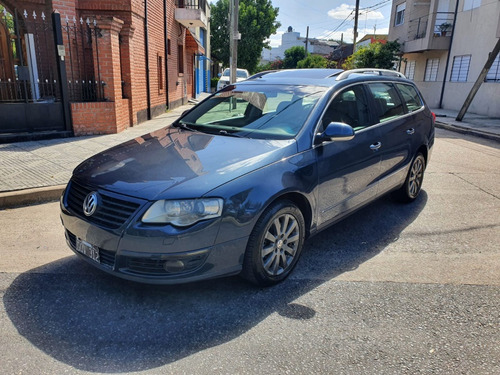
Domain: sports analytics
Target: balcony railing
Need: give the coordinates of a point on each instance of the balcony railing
(443, 25)
(191, 4)
(418, 28)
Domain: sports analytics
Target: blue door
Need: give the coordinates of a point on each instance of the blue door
(348, 170)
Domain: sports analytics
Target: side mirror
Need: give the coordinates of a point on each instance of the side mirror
(336, 131)
(219, 75)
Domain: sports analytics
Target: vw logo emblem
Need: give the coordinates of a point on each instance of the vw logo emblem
(90, 203)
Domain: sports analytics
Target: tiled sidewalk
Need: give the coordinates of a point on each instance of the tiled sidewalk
(26, 165)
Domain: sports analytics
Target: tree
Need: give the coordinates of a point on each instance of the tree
(257, 21)
(312, 61)
(292, 56)
(376, 55)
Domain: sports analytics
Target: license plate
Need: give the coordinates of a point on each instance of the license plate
(87, 249)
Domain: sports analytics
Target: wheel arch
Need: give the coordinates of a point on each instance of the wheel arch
(301, 202)
(424, 151)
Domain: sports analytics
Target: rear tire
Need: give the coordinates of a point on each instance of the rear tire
(275, 244)
(413, 183)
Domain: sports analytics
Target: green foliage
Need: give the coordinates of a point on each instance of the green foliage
(261, 67)
(312, 61)
(257, 21)
(377, 55)
(292, 56)
(213, 81)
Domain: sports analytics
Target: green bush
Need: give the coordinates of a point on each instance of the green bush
(213, 81)
(312, 61)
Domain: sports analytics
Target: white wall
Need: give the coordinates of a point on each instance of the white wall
(475, 35)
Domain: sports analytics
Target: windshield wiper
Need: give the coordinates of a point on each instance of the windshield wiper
(184, 125)
(225, 133)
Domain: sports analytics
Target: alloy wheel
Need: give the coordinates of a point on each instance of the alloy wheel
(416, 177)
(281, 241)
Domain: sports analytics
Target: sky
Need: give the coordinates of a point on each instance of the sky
(329, 19)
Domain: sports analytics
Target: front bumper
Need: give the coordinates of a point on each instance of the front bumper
(156, 254)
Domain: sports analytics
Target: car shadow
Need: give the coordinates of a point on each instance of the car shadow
(99, 323)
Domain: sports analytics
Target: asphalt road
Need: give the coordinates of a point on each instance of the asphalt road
(393, 289)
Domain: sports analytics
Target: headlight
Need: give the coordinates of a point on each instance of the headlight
(183, 213)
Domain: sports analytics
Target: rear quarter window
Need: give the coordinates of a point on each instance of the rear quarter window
(410, 96)
(388, 104)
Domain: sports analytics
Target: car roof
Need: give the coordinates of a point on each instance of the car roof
(322, 77)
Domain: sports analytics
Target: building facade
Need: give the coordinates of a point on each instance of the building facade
(291, 39)
(96, 67)
(445, 47)
(371, 39)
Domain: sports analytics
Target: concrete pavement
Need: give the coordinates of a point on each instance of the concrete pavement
(473, 124)
(37, 171)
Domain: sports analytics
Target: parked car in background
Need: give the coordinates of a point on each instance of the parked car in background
(239, 182)
(241, 75)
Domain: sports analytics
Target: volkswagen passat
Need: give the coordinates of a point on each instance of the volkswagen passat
(237, 183)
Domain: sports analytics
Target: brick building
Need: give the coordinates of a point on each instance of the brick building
(98, 66)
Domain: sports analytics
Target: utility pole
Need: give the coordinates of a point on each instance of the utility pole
(307, 38)
(234, 36)
(355, 27)
(479, 81)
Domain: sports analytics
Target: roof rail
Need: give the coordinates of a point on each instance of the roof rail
(380, 72)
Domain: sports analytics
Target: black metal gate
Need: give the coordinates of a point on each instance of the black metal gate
(31, 97)
(43, 66)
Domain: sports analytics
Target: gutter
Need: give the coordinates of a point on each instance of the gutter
(449, 55)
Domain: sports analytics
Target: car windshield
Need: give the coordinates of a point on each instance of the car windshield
(255, 111)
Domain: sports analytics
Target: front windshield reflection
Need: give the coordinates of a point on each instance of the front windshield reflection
(255, 111)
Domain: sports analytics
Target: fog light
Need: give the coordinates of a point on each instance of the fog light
(174, 266)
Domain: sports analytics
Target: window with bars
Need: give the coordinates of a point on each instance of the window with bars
(494, 72)
(460, 68)
(400, 14)
(410, 70)
(431, 70)
(180, 58)
(160, 73)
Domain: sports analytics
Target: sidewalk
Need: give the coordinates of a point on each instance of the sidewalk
(37, 171)
(472, 124)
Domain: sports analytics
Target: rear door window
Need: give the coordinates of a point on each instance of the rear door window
(410, 96)
(388, 104)
(350, 107)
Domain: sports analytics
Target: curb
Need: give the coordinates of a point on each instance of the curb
(468, 131)
(17, 198)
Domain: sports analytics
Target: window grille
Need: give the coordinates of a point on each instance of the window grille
(431, 70)
(460, 68)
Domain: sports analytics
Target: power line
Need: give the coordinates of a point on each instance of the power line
(368, 9)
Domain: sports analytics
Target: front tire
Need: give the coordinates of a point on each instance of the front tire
(274, 245)
(413, 183)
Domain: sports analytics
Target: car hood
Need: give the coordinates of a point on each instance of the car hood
(176, 163)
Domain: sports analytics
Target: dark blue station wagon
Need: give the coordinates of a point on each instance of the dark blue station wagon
(237, 183)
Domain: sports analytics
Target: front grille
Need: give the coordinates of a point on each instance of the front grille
(146, 266)
(155, 266)
(111, 212)
(106, 257)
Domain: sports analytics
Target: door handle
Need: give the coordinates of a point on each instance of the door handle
(410, 131)
(376, 146)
